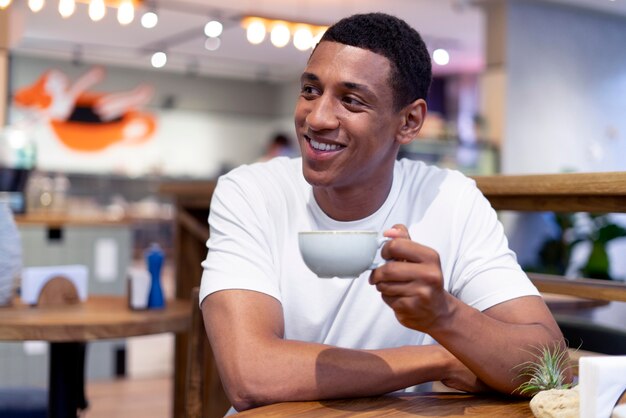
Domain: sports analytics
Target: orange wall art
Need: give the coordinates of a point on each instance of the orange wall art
(85, 120)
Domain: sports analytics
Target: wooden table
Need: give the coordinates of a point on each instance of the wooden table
(69, 327)
(406, 405)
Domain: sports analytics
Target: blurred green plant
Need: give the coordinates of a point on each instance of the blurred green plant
(597, 229)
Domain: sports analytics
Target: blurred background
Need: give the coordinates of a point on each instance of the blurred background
(102, 102)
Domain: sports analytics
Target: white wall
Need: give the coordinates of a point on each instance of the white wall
(566, 90)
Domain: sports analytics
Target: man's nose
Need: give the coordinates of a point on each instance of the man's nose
(322, 115)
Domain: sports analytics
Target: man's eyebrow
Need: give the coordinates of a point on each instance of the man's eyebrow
(350, 85)
(360, 87)
(309, 77)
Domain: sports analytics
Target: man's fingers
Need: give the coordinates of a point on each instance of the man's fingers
(398, 271)
(397, 231)
(410, 251)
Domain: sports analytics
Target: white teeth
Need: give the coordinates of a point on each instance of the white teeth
(323, 147)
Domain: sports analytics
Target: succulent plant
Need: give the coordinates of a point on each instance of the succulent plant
(546, 371)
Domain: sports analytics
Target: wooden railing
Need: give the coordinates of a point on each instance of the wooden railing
(568, 192)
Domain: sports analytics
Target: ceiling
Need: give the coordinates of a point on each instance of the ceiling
(456, 25)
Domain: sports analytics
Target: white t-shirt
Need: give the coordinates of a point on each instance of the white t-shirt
(257, 211)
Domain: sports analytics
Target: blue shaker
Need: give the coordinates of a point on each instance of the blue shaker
(154, 259)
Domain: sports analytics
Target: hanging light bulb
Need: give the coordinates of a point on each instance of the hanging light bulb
(149, 19)
(97, 10)
(303, 38)
(213, 29)
(67, 8)
(441, 56)
(35, 5)
(4, 4)
(280, 34)
(125, 12)
(318, 36)
(159, 59)
(255, 33)
(212, 44)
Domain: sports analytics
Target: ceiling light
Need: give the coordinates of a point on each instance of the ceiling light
(4, 4)
(159, 59)
(280, 34)
(303, 38)
(318, 36)
(149, 20)
(441, 56)
(255, 32)
(66, 8)
(35, 5)
(212, 44)
(213, 29)
(281, 31)
(97, 10)
(125, 12)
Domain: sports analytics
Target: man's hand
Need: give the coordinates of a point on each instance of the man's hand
(489, 343)
(461, 378)
(411, 281)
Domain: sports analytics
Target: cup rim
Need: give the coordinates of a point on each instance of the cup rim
(336, 232)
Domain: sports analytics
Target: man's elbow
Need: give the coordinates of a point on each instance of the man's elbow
(243, 401)
(247, 392)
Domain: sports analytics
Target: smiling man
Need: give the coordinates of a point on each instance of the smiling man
(450, 304)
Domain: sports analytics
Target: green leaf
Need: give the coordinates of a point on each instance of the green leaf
(610, 231)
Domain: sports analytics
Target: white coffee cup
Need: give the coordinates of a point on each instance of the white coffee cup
(343, 254)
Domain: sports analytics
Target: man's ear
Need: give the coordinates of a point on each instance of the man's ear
(413, 116)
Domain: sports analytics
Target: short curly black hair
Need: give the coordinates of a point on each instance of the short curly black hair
(393, 38)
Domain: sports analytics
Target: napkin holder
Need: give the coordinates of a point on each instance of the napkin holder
(54, 285)
(602, 381)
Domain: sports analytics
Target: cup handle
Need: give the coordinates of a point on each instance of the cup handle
(381, 241)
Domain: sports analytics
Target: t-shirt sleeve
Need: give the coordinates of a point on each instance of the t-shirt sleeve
(239, 254)
(486, 271)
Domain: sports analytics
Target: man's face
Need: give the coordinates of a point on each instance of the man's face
(345, 120)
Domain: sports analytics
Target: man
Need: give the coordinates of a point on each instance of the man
(278, 332)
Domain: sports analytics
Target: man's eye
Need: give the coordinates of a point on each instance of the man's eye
(351, 101)
(309, 90)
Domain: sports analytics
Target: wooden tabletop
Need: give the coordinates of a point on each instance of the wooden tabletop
(64, 219)
(406, 405)
(99, 317)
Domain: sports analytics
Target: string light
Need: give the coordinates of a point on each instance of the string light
(213, 29)
(125, 12)
(441, 56)
(255, 31)
(67, 8)
(159, 59)
(303, 38)
(212, 44)
(4, 4)
(149, 19)
(35, 5)
(281, 31)
(97, 10)
(279, 36)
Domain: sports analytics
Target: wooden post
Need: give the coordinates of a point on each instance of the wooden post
(494, 78)
(191, 232)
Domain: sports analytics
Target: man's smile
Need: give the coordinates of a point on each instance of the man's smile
(322, 146)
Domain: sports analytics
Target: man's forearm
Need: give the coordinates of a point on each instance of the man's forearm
(284, 370)
(494, 349)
